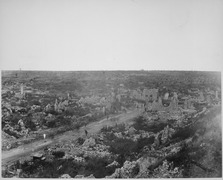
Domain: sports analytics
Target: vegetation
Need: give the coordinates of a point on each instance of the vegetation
(174, 141)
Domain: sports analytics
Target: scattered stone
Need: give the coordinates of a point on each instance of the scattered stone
(129, 170)
(91, 176)
(90, 142)
(65, 176)
(131, 130)
(113, 164)
(79, 176)
(145, 162)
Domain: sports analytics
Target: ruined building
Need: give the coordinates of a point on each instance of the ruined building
(56, 105)
(158, 106)
(188, 104)
(150, 94)
(216, 95)
(201, 96)
(208, 99)
(166, 96)
(22, 89)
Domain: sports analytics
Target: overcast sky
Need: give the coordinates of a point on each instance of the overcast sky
(111, 34)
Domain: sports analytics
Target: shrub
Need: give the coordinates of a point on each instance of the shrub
(105, 129)
(97, 167)
(58, 154)
(120, 128)
(14, 118)
(30, 124)
(142, 142)
(46, 169)
(11, 133)
(23, 104)
(166, 170)
(35, 102)
(69, 111)
(51, 124)
(123, 146)
(80, 140)
(141, 124)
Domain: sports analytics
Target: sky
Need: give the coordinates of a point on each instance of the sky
(111, 35)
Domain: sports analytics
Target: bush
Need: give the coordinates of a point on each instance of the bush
(120, 128)
(40, 169)
(23, 104)
(58, 154)
(97, 167)
(14, 118)
(123, 146)
(69, 111)
(105, 129)
(166, 170)
(51, 124)
(11, 133)
(142, 142)
(30, 124)
(35, 102)
(80, 140)
(141, 124)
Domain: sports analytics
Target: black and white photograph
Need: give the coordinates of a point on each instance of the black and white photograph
(111, 88)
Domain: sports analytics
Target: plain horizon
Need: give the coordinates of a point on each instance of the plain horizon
(74, 35)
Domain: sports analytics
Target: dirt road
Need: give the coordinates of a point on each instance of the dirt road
(26, 150)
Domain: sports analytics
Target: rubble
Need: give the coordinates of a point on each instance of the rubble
(79, 176)
(90, 142)
(65, 176)
(171, 133)
(90, 176)
(129, 170)
(145, 162)
(113, 164)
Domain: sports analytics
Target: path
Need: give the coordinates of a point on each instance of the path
(94, 127)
